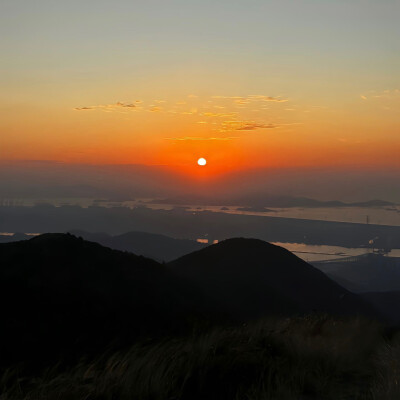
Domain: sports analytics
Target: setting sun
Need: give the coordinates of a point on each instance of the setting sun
(202, 161)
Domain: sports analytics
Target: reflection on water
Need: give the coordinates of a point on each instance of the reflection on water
(373, 215)
(361, 215)
(312, 253)
(320, 252)
(25, 233)
(206, 241)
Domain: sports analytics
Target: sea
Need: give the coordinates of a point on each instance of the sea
(388, 215)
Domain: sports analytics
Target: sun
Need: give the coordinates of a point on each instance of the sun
(202, 161)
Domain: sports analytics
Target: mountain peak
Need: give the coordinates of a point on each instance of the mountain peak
(252, 278)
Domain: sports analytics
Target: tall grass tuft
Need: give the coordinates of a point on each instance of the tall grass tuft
(315, 357)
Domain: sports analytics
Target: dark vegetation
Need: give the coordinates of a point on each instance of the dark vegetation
(313, 357)
(242, 319)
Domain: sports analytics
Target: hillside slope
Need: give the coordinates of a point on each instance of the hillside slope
(252, 278)
(59, 293)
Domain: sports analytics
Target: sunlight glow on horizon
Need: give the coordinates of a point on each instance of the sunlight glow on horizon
(151, 86)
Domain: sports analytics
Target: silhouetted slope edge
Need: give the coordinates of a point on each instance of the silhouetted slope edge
(253, 278)
(156, 246)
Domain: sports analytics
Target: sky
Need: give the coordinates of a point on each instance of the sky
(245, 84)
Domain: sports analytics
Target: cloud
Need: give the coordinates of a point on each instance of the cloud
(194, 138)
(242, 101)
(261, 97)
(226, 97)
(192, 111)
(388, 94)
(219, 115)
(252, 126)
(225, 112)
(126, 105)
(155, 109)
(252, 98)
(246, 126)
(109, 107)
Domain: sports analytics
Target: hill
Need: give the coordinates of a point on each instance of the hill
(60, 294)
(252, 278)
(64, 297)
(158, 247)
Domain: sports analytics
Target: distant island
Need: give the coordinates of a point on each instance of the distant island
(255, 209)
(261, 201)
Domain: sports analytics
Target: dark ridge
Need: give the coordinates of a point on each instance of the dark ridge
(252, 278)
(64, 295)
(156, 246)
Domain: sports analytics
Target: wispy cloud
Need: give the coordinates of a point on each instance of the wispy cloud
(184, 138)
(383, 94)
(217, 113)
(252, 98)
(125, 105)
(250, 126)
(240, 102)
(114, 106)
(246, 125)
(155, 109)
(261, 97)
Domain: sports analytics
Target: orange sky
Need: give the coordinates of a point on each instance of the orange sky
(231, 132)
(306, 85)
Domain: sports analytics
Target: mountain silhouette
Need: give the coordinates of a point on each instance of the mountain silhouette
(252, 278)
(62, 294)
(62, 297)
(158, 247)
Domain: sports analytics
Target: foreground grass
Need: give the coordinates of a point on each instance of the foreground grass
(298, 358)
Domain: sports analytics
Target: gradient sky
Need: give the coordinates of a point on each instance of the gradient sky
(246, 84)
